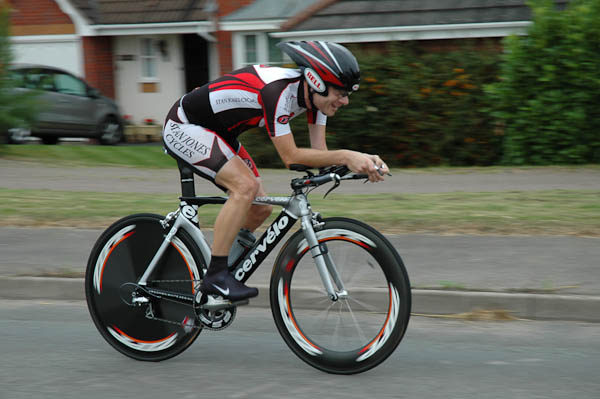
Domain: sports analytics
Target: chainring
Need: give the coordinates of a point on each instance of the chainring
(215, 319)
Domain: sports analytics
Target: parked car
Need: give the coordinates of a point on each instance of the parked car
(69, 107)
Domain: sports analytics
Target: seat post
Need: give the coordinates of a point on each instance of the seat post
(188, 189)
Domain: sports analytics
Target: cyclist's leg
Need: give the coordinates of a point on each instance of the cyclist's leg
(214, 159)
(242, 186)
(258, 213)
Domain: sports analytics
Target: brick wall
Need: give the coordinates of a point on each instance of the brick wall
(225, 51)
(228, 6)
(98, 64)
(38, 17)
(224, 38)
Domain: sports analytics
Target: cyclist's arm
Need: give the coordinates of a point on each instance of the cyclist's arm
(317, 136)
(356, 161)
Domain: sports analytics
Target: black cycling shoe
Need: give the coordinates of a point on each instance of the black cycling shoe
(225, 285)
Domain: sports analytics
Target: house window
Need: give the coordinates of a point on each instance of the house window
(250, 53)
(149, 59)
(275, 54)
(257, 48)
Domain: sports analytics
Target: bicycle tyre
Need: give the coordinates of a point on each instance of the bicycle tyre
(376, 310)
(120, 256)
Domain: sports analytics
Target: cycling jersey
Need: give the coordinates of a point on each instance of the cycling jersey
(254, 96)
(203, 126)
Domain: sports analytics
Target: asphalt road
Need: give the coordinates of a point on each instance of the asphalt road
(52, 350)
(555, 264)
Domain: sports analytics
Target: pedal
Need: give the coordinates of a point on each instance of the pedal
(216, 303)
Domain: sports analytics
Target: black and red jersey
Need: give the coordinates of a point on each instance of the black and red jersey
(253, 96)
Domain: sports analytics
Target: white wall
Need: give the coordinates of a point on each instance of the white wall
(128, 78)
(61, 51)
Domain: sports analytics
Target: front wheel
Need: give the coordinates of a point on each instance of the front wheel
(366, 323)
(152, 331)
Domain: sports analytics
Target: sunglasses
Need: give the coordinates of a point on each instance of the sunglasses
(341, 93)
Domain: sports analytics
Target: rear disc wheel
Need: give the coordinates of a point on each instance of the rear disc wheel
(116, 263)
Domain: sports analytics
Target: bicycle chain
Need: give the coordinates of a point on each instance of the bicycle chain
(150, 313)
(150, 316)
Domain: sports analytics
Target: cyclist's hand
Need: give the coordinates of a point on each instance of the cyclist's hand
(370, 165)
(380, 166)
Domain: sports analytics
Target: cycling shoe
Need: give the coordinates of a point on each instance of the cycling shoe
(225, 285)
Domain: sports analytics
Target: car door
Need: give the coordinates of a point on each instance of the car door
(74, 107)
(41, 81)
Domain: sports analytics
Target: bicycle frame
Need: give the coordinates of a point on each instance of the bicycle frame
(294, 208)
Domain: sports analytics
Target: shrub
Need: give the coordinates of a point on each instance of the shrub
(413, 109)
(16, 109)
(548, 96)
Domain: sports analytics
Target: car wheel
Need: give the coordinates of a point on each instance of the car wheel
(111, 131)
(18, 135)
(49, 139)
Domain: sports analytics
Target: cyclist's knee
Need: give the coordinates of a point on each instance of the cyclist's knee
(245, 189)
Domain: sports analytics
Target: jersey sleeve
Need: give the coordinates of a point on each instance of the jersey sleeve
(316, 118)
(278, 108)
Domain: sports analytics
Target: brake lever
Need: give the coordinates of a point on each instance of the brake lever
(335, 185)
(378, 169)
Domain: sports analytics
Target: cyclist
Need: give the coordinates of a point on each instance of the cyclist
(202, 129)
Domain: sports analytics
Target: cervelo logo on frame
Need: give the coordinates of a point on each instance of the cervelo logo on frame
(314, 80)
(273, 232)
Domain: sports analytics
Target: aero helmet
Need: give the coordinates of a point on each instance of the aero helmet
(324, 63)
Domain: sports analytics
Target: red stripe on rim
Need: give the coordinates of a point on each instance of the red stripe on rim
(286, 293)
(362, 244)
(139, 340)
(384, 325)
(109, 253)
(290, 265)
(188, 267)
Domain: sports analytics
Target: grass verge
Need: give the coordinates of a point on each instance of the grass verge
(152, 156)
(139, 156)
(553, 212)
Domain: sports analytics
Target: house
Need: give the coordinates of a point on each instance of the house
(252, 29)
(144, 53)
(147, 53)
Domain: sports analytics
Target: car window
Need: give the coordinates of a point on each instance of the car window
(68, 84)
(38, 79)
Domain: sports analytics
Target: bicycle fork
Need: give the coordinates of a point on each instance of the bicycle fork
(323, 261)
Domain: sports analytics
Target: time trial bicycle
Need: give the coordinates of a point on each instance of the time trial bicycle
(339, 292)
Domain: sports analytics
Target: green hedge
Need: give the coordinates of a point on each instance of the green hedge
(17, 109)
(413, 109)
(537, 102)
(549, 94)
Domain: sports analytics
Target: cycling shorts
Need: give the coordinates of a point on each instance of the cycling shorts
(203, 149)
